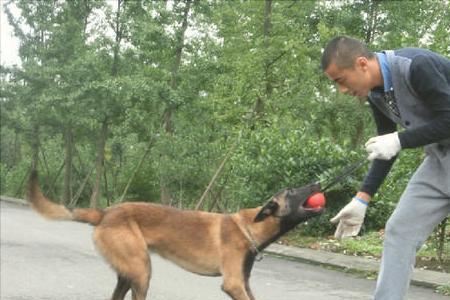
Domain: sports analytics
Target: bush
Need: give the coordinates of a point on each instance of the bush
(13, 179)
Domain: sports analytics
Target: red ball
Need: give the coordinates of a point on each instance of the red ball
(316, 200)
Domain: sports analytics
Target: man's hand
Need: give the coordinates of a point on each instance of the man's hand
(350, 218)
(383, 147)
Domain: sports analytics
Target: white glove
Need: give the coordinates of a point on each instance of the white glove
(383, 147)
(350, 218)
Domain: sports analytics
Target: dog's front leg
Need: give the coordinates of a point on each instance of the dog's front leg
(235, 288)
(249, 291)
(248, 265)
(235, 283)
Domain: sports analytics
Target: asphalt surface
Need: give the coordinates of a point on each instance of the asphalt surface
(48, 260)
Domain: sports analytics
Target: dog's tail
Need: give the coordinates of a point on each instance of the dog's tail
(54, 211)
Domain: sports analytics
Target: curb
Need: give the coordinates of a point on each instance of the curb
(424, 278)
(14, 200)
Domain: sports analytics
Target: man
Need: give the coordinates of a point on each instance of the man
(408, 87)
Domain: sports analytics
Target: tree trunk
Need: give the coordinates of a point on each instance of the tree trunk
(99, 163)
(34, 146)
(68, 149)
(51, 186)
(179, 46)
(268, 64)
(108, 196)
(214, 178)
(267, 37)
(118, 33)
(267, 29)
(141, 161)
(167, 117)
(372, 21)
(74, 201)
(17, 149)
(44, 164)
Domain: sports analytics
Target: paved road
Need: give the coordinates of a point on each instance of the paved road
(43, 260)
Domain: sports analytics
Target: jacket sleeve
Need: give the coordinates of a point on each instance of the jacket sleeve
(379, 168)
(430, 79)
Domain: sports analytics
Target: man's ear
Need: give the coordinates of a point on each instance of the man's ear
(268, 209)
(362, 62)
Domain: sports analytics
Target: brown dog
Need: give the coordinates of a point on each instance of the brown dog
(204, 243)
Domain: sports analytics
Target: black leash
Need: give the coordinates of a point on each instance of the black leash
(348, 171)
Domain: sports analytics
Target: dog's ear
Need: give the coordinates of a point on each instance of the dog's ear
(268, 209)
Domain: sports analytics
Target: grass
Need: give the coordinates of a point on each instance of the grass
(444, 289)
(370, 244)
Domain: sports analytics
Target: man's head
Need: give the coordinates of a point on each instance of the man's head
(350, 64)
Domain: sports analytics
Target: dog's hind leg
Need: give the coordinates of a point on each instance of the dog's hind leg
(122, 288)
(125, 249)
(136, 277)
(140, 280)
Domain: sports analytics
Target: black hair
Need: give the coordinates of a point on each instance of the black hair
(343, 51)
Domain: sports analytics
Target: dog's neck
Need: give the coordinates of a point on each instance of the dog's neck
(242, 224)
(256, 232)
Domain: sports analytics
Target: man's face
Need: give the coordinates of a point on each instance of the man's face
(354, 81)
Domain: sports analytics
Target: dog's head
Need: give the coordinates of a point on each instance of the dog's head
(289, 206)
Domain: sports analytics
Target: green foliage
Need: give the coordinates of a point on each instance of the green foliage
(370, 244)
(444, 289)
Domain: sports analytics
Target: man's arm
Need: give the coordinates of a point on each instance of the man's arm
(351, 217)
(380, 168)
